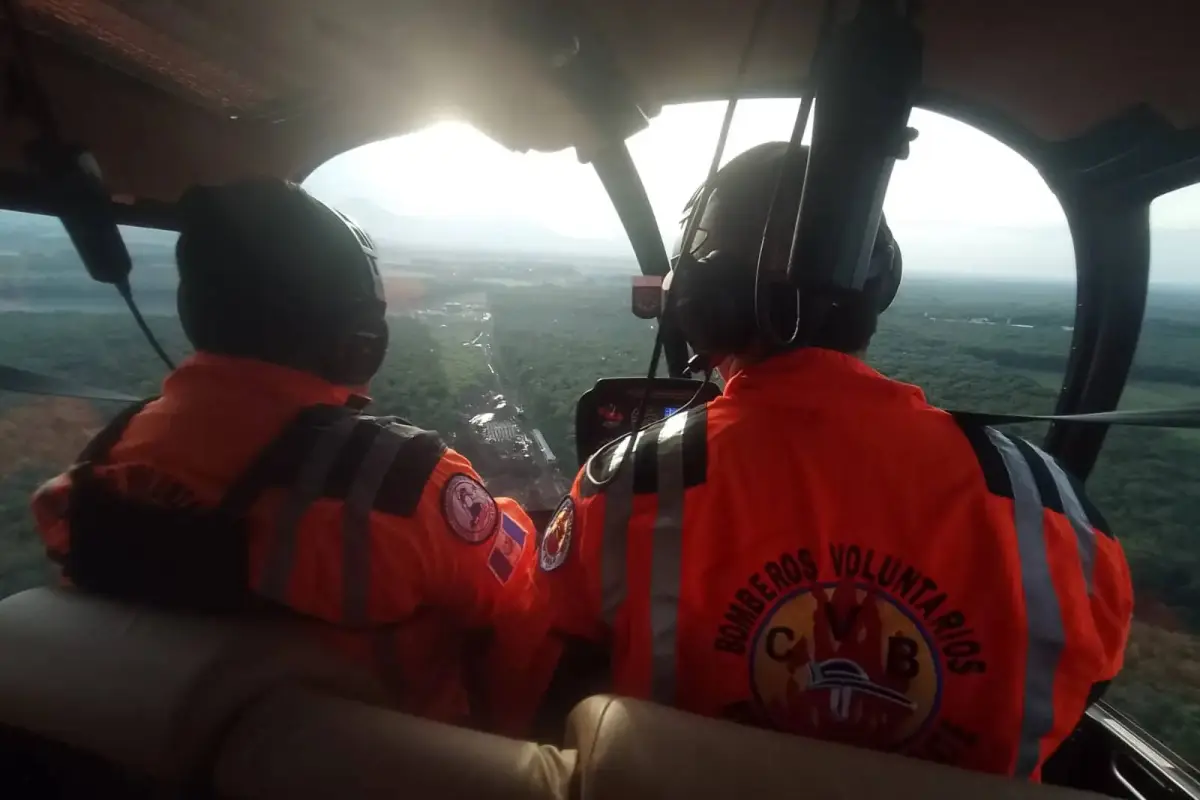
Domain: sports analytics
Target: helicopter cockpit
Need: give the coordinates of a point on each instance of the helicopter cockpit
(115, 107)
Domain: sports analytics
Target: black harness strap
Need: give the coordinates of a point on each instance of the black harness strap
(193, 559)
(103, 442)
(262, 472)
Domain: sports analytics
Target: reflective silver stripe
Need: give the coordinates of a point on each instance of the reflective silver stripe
(281, 558)
(666, 557)
(1045, 634)
(618, 508)
(1073, 509)
(356, 522)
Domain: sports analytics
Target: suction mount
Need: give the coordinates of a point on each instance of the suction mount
(72, 177)
(866, 76)
(71, 174)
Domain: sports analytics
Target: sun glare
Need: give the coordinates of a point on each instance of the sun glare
(954, 175)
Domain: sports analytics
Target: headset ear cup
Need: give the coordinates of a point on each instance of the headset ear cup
(359, 355)
(889, 278)
(714, 305)
(375, 347)
(887, 266)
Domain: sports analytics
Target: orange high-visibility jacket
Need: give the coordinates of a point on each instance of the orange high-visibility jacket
(820, 551)
(367, 523)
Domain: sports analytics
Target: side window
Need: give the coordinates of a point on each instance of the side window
(55, 320)
(983, 320)
(1145, 482)
(507, 278)
(984, 316)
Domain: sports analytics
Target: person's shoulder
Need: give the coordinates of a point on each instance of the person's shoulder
(1016, 468)
(406, 455)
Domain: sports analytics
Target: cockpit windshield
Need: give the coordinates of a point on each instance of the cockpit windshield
(508, 282)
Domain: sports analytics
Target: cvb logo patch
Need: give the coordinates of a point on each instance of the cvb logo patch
(507, 549)
(845, 662)
(556, 541)
(469, 509)
(854, 647)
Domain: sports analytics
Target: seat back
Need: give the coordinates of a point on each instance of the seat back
(147, 691)
(255, 709)
(630, 750)
(299, 744)
(143, 700)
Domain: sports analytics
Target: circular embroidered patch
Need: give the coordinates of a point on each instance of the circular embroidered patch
(469, 509)
(556, 541)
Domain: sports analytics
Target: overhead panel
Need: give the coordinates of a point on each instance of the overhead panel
(155, 55)
(224, 86)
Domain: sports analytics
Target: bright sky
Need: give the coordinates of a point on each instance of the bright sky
(956, 177)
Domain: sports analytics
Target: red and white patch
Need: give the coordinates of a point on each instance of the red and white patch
(469, 509)
(556, 541)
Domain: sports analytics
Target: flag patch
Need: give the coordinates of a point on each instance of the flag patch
(507, 549)
(514, 530)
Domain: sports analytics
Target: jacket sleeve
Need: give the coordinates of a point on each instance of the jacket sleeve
(573, 660)
(1089, 615)
(463, 552)
(49, 507)
(1095, 586)
(569, 558)
(472, 556)
(1112, 603)
(1112, 592)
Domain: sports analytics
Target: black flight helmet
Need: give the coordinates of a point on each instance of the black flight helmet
(714, 283)
(267, 271)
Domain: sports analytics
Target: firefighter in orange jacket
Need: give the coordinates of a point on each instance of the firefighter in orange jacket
(820, 551)
(254, 478)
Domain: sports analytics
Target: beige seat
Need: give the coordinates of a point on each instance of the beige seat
(301, 744)
(252, 709)
(630, 750)
(148, 691)
(260, 712)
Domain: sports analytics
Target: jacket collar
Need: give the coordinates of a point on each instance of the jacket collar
(214, 379)
(815, 376)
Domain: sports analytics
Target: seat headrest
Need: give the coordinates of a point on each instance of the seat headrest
(631, 749)
(299, 744)
(148, 690)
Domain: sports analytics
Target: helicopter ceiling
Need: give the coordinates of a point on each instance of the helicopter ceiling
(166, 94)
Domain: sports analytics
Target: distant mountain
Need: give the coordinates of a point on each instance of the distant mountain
(13, 222)
(1017, 252)
(993, 250)
(472, 233)
(1032, 252)
(42, 225)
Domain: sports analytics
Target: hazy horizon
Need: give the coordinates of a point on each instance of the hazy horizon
(962, 202)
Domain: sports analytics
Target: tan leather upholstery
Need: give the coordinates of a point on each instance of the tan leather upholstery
(629, 750)
(299, 744)
(256, 704)
(146, 690)
(263, 710)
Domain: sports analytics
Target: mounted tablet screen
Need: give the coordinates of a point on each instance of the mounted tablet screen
(609, 408)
